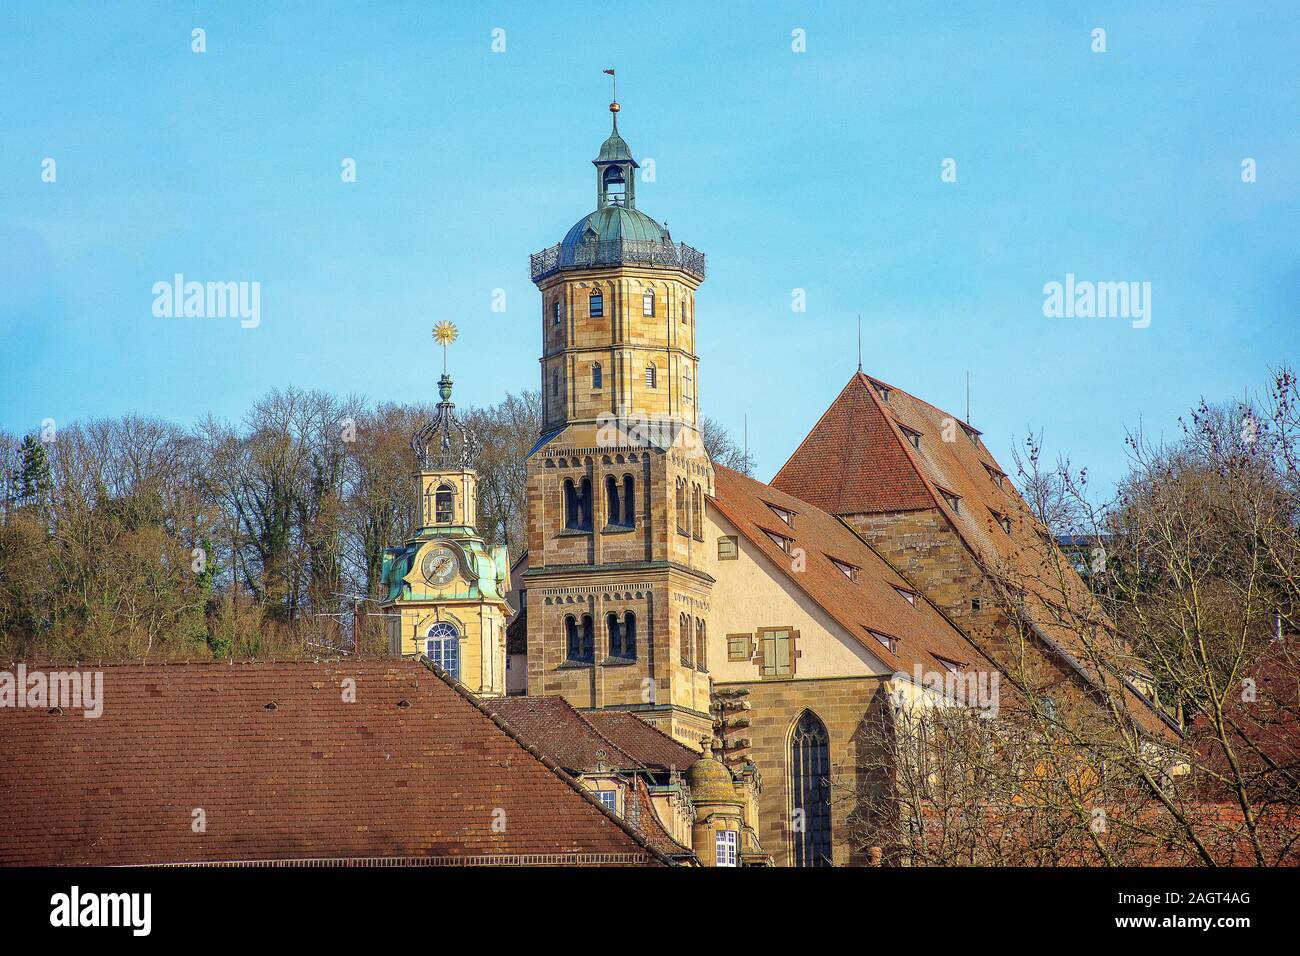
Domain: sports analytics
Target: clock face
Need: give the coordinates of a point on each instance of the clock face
(439, 565)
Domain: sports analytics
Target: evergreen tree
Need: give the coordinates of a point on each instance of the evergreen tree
(34, 484)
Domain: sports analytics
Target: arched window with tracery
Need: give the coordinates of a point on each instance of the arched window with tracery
(810, 791)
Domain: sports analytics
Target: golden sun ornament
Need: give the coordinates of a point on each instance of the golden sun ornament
(444, 333)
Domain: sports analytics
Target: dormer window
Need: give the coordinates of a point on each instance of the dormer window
(947, 664)
(784, 514)
(913, 437)
(953, 501)
(596, 307)
(1004, 521)
(648, 303)
(997, 477)
(906, 595)
(780, 541)
(848, 570)
(890, 643)
(971, 433)
(881, 390)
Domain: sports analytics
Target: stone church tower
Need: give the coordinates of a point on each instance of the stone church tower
(617, 593)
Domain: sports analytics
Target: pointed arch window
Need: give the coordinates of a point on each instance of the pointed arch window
(442, 647)
(701, 646)
(621, 635)
(684, 622)
(697, 512)
(810, 788)
(580, 639)
(444, 504)
(596, 305)
(681, 507)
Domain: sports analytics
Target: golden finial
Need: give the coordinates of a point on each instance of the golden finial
(444, 333)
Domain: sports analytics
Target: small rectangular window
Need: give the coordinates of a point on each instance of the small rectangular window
(597, 378)
(597, 305)
(725, 854)
(648, 304)
(609, 798)
(727, 548)
(555, 312)
(651, 377)
(740, 647)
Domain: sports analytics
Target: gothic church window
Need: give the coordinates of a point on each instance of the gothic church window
(810, 786)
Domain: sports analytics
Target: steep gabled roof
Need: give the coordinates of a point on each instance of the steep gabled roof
(865, 605)
(650, 746)
(286, 767)
(888, 439)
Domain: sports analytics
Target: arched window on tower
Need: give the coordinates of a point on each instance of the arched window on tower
(444, 505)
(621, 635)
(681, 507)
(701, 646)
(596, 305)
(442, 647)
(620, 508)
(651, 376)
(577, 504)
(580, 639)
(810, 786)
(697, 512)
(613, 514)
(648, 302)
(684, 622)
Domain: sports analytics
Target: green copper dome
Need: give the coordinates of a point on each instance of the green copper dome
(614, 224)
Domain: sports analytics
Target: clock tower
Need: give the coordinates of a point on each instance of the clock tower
(444, 590)
(617, 592)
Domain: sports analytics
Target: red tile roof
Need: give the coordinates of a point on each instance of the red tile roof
(858, 457)
(869, 602)
(284, 769)
(651, 747)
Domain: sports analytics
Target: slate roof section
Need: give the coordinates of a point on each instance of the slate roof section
(285, 770)
(870, 602)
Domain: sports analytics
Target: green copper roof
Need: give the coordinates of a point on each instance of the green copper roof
(615, 150)
(615, 224)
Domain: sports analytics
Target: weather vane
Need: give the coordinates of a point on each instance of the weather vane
(444, 333)
(613, 106)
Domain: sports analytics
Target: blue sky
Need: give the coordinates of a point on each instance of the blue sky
(817, 170)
